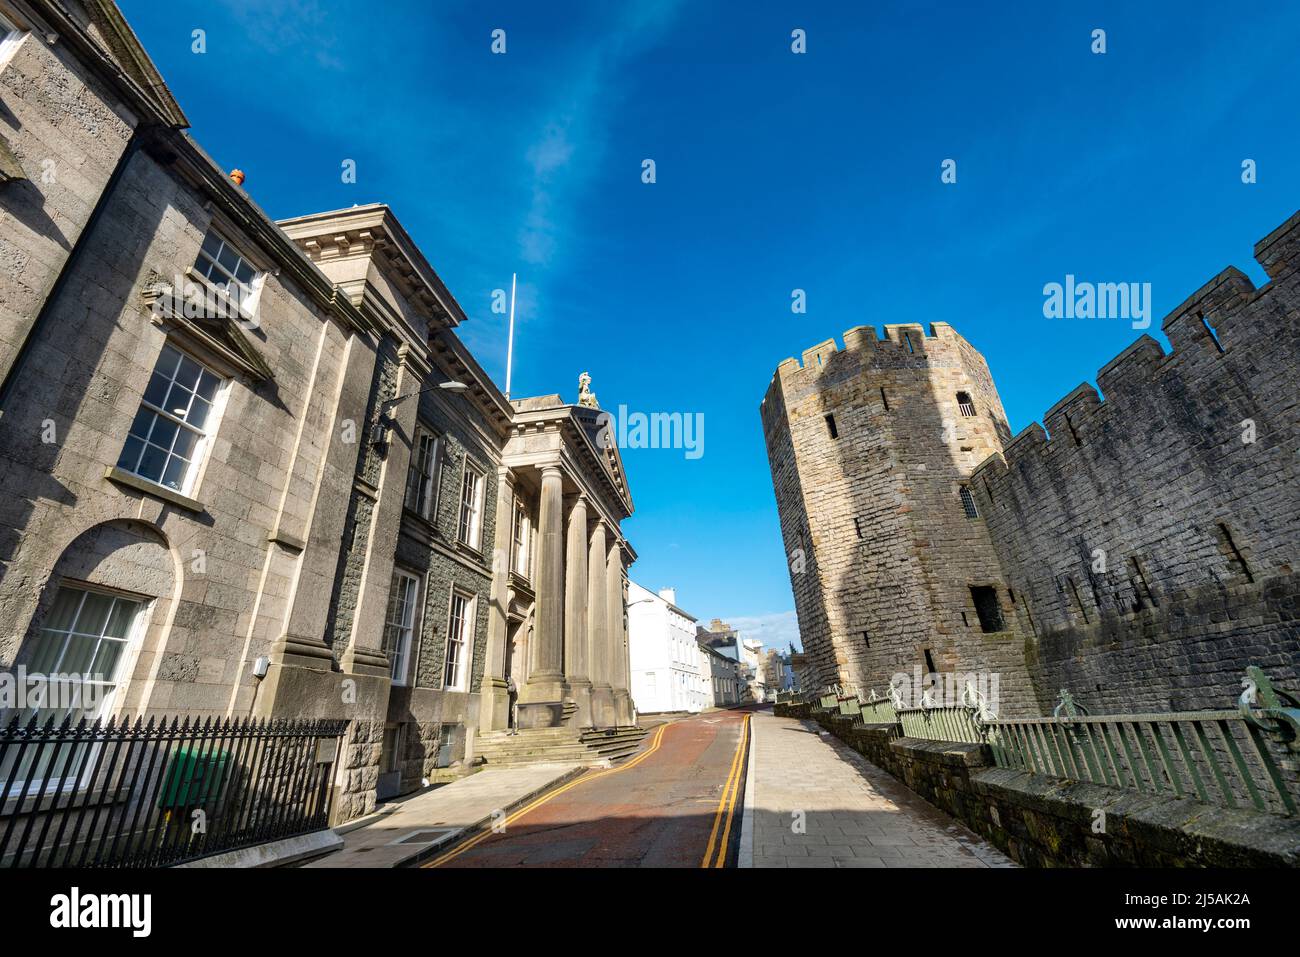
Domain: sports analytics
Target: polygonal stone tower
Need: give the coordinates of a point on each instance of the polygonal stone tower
(871, 449)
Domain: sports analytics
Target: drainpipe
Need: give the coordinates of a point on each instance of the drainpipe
(47, 308)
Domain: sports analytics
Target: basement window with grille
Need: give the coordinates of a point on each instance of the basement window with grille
(987, 608)
(968, 503)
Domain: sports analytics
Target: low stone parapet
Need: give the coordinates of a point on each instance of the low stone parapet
(1042, 821)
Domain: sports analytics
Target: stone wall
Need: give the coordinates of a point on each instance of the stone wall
(1045, 822)
(1153, 537)
(1142, 556)
(84, 389)
(68, 132)
(869, 451)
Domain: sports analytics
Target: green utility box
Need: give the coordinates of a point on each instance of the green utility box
(194, 777)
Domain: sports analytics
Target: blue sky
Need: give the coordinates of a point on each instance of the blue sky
(775, 171)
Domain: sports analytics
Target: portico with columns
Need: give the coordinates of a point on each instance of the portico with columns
(557, 626)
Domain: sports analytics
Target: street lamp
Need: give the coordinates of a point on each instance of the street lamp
(379, 433)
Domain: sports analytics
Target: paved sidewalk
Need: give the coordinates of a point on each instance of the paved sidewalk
(855, 814)
(428, 822)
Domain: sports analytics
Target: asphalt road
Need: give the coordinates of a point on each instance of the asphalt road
(676, 803)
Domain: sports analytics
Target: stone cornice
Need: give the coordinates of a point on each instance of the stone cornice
(136, 79)
(374, 231)
(451, 352)
(565, 419)
(176, 150)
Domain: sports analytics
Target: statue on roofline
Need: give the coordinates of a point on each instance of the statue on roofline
(586, 397)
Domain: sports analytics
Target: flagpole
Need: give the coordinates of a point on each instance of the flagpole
(510, 345)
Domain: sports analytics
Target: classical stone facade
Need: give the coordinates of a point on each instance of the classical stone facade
(1141, 558)
(261, 451)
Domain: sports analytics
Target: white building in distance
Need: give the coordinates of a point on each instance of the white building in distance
(667, 672)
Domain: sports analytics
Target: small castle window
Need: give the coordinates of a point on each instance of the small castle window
(929, 663)
(1230, 547)
(857, 526)
(884, 398)
(968, 503)
(866, 639)
(907, 338)
(987, 608)
(1078, 600)
(1214, 333)
(1142, 577)
(965, 404)
(830, 427)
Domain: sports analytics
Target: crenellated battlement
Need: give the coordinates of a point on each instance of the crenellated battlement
(903, 340)
(1223, 316)
(1133, 542)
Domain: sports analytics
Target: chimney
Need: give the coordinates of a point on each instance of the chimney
(669, 595)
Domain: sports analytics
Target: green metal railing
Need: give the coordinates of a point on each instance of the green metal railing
(1227, 758)
(957, 724)
(1247, 758)
(880, 711)
(1241, 758)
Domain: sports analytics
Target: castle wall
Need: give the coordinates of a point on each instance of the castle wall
(1153, 538)
(889, 553)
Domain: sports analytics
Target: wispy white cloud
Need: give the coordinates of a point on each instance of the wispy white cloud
(776, 630)
(289, 25)
(566, 149)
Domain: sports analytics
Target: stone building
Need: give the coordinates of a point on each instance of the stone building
(248, 468)
(721, 677)
(1141, 557)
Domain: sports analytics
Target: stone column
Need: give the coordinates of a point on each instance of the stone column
(619, 671)
(494, 701)
(577, 677)
(546, 648)
(602, 698)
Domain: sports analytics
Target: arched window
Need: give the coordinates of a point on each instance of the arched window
(965, 404)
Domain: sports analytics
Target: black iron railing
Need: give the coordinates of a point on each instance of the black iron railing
(159, 793)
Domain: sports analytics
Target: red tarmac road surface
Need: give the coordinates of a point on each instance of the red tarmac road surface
(660, 808)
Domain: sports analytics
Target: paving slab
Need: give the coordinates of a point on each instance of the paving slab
(818, 803)
(429, 822)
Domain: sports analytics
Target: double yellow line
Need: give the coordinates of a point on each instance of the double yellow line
(715, 855)
(549, 796)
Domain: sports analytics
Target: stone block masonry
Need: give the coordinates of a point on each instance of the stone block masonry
(252, 571)
(1141, 556)
(1045, 822)
(1153, 537)
(871, 449)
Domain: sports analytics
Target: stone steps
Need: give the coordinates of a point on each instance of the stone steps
(558, 745)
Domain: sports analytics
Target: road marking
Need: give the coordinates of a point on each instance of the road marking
(590, 776)
(727, 803)
(745, 857)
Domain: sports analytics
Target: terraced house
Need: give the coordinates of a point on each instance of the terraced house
(247, 468)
